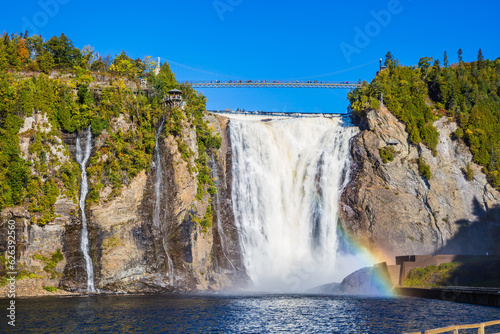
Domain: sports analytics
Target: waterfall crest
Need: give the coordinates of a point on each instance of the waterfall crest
(82, 158)
(287, 178)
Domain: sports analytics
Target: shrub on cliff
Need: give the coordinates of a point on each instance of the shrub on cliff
(424, 169)
(387, 153)
(469, 172)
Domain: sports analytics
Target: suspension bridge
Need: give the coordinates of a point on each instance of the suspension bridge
(272, 84)
(189, 75)
(197, 78)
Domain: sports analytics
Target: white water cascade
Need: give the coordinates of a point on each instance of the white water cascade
(157, 204)
(287, 177)
(82, 158)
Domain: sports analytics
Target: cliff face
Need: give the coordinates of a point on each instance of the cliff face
(129, 252)
(392, 210)
(134, 253)
(388, 207)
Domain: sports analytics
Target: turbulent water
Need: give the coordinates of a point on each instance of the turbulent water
(287, 177)
(157, 204)
(82, 158)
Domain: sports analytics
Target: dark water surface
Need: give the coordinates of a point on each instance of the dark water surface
(204, 313)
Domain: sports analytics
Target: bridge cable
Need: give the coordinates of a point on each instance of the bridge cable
(338, 72)
(199, 70)
(301, 78)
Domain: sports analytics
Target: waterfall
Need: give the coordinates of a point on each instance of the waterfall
(82, 158)
(157, 205)
(287, 178)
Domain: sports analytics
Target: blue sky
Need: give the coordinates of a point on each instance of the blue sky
(268, 40)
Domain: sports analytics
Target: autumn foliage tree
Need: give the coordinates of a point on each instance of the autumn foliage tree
(22, 52)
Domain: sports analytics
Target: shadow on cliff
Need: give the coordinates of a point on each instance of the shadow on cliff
(479, 241)
(478, 237)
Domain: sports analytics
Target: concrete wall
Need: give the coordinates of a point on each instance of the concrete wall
(394, 272)
(408, 262)
(477, 296)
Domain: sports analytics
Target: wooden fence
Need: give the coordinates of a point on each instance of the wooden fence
(455, 329)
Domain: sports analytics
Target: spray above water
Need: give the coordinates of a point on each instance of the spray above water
(287, 178)
(82, 159)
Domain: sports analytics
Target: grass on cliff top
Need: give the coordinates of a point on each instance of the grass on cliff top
(473, 273)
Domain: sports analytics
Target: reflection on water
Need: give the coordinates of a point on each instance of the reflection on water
(203, 313)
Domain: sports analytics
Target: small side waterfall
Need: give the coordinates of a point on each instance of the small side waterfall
(287, 178)
(157, 204)
(82, 159)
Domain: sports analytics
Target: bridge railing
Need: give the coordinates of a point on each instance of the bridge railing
(455, 329)
(280, 113)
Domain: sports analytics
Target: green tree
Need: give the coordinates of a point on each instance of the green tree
(88, 57)
(124, 65)
(164, 81)
(480, 57)
(35, 46)
(101, 64)
(10, 43)
(46, 62)
(64, 53)
(4, 62)
(390, 61)
(424, 63)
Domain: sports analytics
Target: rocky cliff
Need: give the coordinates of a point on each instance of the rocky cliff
(192, 244)
(393, 210)
(130, 253)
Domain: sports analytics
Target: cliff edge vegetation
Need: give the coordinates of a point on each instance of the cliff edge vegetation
(50, 89)
(468, 93)
(424, 172)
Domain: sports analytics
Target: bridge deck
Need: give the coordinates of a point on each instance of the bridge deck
(272, 84)
(282, 114)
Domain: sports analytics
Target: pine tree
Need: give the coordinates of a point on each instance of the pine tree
(11, 49)
(389, 60)
(46, 62)
(65, 55)
(445, 60)
(4, 63)
(480, 57)
(460, 59)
